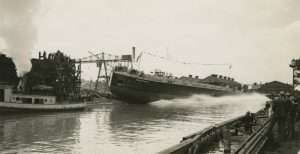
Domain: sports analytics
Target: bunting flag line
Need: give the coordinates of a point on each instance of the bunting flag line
(187, 63)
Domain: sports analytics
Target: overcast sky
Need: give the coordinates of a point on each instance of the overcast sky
(258, 37)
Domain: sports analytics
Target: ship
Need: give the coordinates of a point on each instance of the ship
(52, 84)
(135, 86)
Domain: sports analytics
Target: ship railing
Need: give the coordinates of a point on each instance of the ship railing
(200, 85)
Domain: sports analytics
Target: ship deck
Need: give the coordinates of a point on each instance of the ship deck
(180, 82)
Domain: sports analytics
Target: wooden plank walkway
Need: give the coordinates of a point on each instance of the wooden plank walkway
(278, 146)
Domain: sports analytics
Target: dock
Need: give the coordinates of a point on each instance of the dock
(230, 133)
(278, 146)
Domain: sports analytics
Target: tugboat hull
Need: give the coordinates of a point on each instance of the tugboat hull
(4, 106)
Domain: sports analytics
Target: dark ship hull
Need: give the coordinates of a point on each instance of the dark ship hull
(141, 89)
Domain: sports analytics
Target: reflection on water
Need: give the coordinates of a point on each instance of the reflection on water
(38, 133)
(115, 127)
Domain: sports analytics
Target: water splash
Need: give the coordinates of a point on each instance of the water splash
(233, 105)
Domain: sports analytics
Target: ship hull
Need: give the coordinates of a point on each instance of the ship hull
(10, 107)
(134, 89)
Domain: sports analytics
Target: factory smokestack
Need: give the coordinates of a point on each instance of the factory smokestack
(18, 31)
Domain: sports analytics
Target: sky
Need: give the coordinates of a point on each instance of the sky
(259, 38)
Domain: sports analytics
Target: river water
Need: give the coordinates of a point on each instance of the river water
(112, 126)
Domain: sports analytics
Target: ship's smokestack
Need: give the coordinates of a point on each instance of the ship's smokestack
(133, 53)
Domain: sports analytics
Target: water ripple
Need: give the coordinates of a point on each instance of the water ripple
(115, 127)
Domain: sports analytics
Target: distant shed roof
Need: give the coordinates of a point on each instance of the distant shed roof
(275, 87)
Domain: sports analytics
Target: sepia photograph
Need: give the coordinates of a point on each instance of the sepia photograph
(149, 77)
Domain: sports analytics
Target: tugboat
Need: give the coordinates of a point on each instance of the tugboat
(53, 84)
(24, 102)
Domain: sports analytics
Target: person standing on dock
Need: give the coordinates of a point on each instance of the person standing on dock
(267, 108)
(226, 135)
(286, 114)
(297, 100)
(279, 109)
(249, 121)
(292, 113)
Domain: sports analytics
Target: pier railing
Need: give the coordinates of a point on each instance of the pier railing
(256, 141)
(196, 141)
(199, 141)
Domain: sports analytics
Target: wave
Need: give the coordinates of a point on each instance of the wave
(231, 105)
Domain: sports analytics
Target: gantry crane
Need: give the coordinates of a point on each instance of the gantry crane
(108, 61)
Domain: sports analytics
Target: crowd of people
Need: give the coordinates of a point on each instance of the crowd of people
(284, 108)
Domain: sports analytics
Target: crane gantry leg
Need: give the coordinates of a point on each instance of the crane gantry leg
(105, 69)
(99, 65)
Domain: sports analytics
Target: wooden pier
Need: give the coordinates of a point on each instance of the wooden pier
(231, 134)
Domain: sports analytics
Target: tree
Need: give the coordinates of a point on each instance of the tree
(8, 73)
